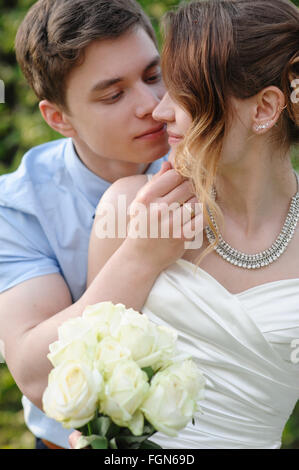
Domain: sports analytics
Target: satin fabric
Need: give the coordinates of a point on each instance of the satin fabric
(243, 345)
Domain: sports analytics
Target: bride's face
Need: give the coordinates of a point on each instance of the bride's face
(177, 119)
(238, 131)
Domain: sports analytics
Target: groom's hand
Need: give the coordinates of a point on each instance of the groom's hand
(73, 439)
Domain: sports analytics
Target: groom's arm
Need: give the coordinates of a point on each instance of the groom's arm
(32, 311)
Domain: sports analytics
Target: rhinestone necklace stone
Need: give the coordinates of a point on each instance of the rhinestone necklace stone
(264, 258)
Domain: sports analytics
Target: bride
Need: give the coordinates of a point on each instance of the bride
(232, 115)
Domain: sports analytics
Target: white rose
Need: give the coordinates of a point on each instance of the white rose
(166, 345)
(150, 345)
(78, 337)
(77, 350)
(72, 329)
(172, 399)
(72, 394)
(123, 393)
(104, 317)
(77, 340)
(108, 353)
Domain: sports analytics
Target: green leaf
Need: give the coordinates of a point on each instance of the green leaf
(103, 424)
(99, 443)
(113, 444)
(149, 371)
(83, 430)
(148, 428)
(86, 441)
(131, 439)
(149, 445)
(125, 441)
(113, 430)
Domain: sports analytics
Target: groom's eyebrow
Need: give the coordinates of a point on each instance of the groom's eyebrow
(104, 84)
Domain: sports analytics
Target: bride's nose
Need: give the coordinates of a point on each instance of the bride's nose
(164, 111)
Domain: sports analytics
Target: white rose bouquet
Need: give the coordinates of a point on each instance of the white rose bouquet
(118, 378)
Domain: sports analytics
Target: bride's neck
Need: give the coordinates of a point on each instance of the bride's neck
(255, 189)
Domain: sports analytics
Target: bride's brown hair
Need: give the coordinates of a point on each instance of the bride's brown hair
(215, 49)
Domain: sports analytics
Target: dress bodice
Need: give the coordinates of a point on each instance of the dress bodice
(243, 344)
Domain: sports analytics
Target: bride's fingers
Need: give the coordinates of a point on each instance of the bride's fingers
(159, 186)
(191, 209)
(164, 167)
(179, 217)
(180, 194)
(193, 227)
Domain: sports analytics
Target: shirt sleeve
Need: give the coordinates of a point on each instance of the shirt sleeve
(25, 252)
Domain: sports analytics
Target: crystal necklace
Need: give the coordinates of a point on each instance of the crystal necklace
(263, 258)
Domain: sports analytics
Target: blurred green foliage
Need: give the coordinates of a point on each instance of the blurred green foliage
(21, 127)
(13, 432)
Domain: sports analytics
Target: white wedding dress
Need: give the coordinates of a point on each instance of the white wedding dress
(243, 345)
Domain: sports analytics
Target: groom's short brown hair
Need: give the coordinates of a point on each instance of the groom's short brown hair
(54, 34)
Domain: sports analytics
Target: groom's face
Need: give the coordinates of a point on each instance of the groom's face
(111, 97)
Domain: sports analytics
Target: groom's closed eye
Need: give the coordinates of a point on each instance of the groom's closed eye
(151, 74)
(155, 76)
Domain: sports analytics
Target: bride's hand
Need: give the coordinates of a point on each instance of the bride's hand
(166, 231)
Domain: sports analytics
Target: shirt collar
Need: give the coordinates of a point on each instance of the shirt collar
(91, 185)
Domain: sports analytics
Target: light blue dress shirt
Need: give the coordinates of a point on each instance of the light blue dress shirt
(46, 215)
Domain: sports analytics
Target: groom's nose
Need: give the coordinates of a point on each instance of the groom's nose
(147, 100)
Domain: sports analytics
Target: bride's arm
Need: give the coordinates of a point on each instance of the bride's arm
(123, 270)
(113, 262)
(101, 249)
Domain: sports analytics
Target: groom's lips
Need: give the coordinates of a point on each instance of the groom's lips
(153, 133)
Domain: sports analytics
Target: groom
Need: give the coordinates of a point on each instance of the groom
(95, 68)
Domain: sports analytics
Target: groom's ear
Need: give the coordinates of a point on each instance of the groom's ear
(56, 118)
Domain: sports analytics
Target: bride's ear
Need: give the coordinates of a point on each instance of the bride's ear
(269, 105)
(56, 118)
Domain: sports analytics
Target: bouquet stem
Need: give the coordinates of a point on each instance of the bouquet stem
(89, 429)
